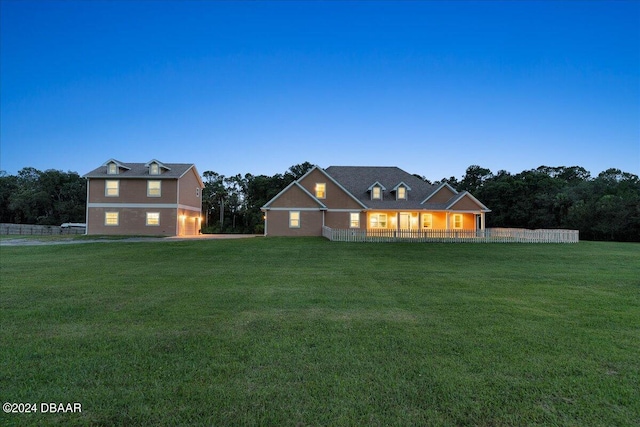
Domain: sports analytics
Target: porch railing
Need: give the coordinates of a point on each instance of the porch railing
(488, 235)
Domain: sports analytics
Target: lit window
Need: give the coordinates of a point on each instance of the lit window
(457, 221)
(111, 218)
(294, 219)
(154, 169)
(354, 220)
(402, 193)
(378, 220)
(376, 193)
(154, 188)
(427, 221)
(321, 191)
(153, 218)
(111, 188)
(112, 169)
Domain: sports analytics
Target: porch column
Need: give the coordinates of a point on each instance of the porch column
(447, 221)
(482, 220)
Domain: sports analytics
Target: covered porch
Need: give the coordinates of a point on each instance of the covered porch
(409, 221)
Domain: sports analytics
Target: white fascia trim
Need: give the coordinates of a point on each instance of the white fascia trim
(294, 209)
(402, 184)
(266, 206)
(377, 183)
(444, 184)
(158, 162)
(143, 206)
(342, 188)
(310, 195)
(344, 210)
(119, 164)
(467, 194)
(195, 171)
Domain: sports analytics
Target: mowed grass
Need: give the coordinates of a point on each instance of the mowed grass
(306, 332)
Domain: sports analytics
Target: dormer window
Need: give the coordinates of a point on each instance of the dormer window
(376, 190)
(401, 191)
(156, 168)
(401, 194)
(112, 169)
(376, 193)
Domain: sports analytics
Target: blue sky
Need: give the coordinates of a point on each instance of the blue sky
(255, 87)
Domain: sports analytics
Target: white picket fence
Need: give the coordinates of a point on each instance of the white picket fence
(489, 235)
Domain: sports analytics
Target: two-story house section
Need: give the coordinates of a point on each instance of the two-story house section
(152, 198)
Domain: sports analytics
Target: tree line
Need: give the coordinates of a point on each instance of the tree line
(605, 207)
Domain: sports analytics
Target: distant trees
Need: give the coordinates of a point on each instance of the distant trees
(232, 204)
(606, 207)
(51, 197)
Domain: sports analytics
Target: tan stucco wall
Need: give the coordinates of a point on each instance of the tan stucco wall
(277, 224)
(335, 197)
(342, 220)
(188, 194)
(133, 191)
(294, 197)
(442, 196)
(132, 221)
(465, 204)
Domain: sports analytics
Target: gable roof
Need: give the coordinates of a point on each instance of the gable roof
(297, 182)
(465, 194)
(141, 170)
(294, 184)
(358, 181)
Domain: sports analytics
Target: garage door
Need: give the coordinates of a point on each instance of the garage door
(190, 226)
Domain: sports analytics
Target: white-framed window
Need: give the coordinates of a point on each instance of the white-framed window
(154, 169)
(427, 221)
(112, 169)
(294, 219)
(401, 193)
(378, 220)
(153, 218)
(354, 220)
(321, 190)
(197, 191)
(111, 218)
(457, 221)
(154, 188)
(112, 188)
(376, 193)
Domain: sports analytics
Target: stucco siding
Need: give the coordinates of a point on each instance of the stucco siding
(343, 219)
(465, 204)
(278, 224)
(132, 191)
(132, 221)
(294, 197)
(190, 190)
(442, 196)
(335, 196)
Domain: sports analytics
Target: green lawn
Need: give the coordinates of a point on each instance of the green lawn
(298, 332)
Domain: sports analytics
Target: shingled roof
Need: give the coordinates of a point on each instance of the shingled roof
(359, 179)
(141, 170)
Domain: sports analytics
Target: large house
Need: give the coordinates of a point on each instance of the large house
(376, 199)
(152, 198)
